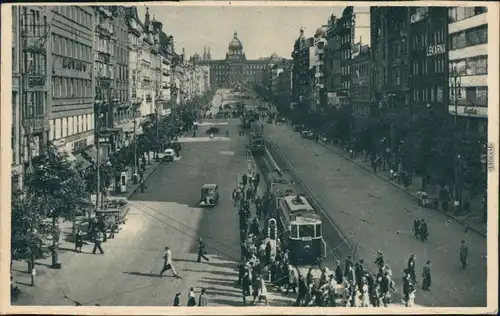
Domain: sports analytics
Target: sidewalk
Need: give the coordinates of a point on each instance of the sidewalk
(66, 244)
(474, 219)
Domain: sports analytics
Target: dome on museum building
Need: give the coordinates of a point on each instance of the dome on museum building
(235, 43)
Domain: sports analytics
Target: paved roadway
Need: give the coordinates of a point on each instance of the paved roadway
(165, 214)
(380, 217)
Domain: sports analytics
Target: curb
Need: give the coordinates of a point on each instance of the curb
(338, 152)
(128, 195)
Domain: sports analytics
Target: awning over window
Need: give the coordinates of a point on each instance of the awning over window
(92, 154)
(81, 162)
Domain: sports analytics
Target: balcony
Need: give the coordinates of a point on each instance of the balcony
(35, 80)
(36, 124)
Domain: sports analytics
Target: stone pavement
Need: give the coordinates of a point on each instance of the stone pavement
(474, 220)
(66, 244)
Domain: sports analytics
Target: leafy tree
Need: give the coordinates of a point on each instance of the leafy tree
(29, 231)
(58, 188)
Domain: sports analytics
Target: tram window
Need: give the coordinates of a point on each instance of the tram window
(294, 233)
(318, 230)
(306, 231)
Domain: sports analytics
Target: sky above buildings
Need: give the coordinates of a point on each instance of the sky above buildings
(262, 30)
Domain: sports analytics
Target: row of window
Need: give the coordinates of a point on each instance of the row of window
(66, 47)
(456, 14)
(75, 14)
(473, 36)
(103, 70)
(361, 70)
(421, 67)
(427, 94)
(72, 125)
(360, 92)
(34, 63)
(71, 87)
(105, 46)
(422, 40)
(224, 66)
(477, 96)
(471, 66)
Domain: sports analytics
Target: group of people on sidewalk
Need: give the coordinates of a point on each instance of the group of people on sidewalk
(202, 299)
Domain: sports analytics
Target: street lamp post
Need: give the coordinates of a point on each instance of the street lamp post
(455, 89)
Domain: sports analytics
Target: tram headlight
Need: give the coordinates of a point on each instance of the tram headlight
(307, 248)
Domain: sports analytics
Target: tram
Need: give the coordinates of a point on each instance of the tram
(299, 224)
(256, 139)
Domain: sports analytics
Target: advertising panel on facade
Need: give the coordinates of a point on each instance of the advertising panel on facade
(471, 111)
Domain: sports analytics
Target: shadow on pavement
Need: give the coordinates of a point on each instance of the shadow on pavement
(43, 264)
(221, 279)
(214, 272)
(220, 283)
(152, 275)
(218, 292)
(225, 302)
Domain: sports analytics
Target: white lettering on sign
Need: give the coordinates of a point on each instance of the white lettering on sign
(227, 153)
(470, 110)
(436, 50)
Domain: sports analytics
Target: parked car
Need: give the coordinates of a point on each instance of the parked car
(169, 155)
(270, 120)
(213, 130)
(307, 134)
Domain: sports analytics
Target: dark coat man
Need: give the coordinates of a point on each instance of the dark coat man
(416, 227)
(424, 233)
(464, 253)
(339, 274)
(202, 251)
(411, 268)
(426, 277)
(348, 264)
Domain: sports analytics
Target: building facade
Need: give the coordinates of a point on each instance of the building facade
(319, 94)
(17, 132)
(428, 57)
(468, 56)
(235, 69)
(333, 70)
(31, 82)
(302, 93)
(360, 89)
(71, 101)
(390, 59)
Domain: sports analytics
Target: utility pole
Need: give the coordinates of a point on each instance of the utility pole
(455, 86)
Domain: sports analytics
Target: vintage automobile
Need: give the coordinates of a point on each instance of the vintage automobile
(169, 155)
(209, 195)
(213, 130)
(307, 134)
(270, 120)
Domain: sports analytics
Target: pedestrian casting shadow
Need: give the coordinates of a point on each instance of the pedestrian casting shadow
(151, 275)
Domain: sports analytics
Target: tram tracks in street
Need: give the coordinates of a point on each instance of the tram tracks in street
(337, 242)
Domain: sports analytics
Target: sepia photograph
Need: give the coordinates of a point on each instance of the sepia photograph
(264, 156)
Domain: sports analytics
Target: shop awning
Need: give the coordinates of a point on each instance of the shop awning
(92, 153)
(82, 162)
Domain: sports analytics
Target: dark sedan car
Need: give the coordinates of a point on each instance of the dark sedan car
(213, 130)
